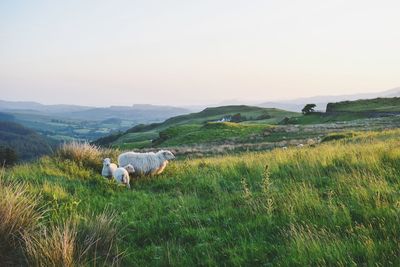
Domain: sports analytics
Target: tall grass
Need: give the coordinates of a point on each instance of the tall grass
(86, 154)
(75, 244)
(19, 215)
(28, 238)
(335, 204)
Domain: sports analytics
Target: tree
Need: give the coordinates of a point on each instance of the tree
(237, 118)
(309, 108)
(8, 156)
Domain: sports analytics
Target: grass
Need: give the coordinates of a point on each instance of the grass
(315, 118)
(336, 204)
(140, 136)
(209, 132)
(30, 236)
(18, 215)
(366, 105)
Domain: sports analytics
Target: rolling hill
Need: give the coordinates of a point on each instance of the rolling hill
(322, 101)
(67, 122)
(25, 142)
(186, 129)
(222, 130)
(380, 105)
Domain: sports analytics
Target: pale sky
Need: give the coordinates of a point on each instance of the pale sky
(195, 52)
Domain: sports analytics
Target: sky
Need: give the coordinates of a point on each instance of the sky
(185, 52)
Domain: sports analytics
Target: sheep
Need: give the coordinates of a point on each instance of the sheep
(121, 175)
(300, 145)
(108, 168)
(146, 163)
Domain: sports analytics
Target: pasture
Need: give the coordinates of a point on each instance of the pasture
(337, 203)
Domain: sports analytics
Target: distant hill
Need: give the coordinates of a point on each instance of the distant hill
(196, 126)
(25, 142)
(66, 122)
(34, 106)
(217, 113)
(321, 101)
(139, 113)
(6, 117)
(385, 105)
(351, 110)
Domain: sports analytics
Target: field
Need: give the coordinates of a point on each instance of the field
(367, 105)
(335, 203)
(226, 137)
(63, 129)
(199, 128)
(214, 130)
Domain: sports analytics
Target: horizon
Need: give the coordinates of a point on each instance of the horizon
(188, 54)
(226, 102)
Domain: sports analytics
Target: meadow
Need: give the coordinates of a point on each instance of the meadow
(337, 203)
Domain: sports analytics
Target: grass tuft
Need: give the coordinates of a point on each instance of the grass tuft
(85, 154)
(19, 214)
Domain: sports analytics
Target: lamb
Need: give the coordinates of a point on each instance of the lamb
(146, 163)
(108, 168)
(121, 175)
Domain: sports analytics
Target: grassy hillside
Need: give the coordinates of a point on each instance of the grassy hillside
(333, 204)
(210, 132)
(319, 117)
(254, 122)
(25, 142)
(186, 128)
(65, 122)
(248, 113)
(366, 105)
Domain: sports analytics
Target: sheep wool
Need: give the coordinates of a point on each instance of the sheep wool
(121, 175)
(108, 168)
(146, 163)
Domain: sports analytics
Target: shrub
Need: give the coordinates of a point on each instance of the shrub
(338, 136)
(8, 156)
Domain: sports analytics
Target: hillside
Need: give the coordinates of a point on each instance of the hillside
(333, 204)
(248, 120)
(68, 122)
(322, 101)
(25, 142)
(257, 129)
(366, 105)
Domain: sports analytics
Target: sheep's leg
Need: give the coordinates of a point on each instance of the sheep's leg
(162, 167)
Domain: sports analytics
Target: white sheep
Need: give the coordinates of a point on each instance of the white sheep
(146, 163)
(108, 168)
(121, 175)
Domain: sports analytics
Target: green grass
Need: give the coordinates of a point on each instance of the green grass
(334, 204)
(324, 118)
(209, 132)
(367, 105)
(140, 136)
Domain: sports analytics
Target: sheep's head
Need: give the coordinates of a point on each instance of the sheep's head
(130, 168)
(167, 155)
(106, 162)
